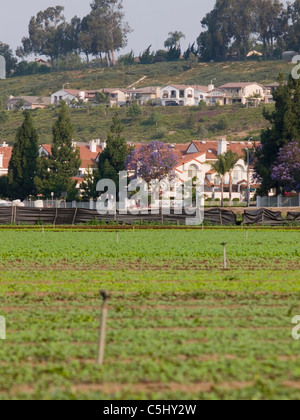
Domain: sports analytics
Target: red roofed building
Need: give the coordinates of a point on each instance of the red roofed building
(194, 160)
(89, 154)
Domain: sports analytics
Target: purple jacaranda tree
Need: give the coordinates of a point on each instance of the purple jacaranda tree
(153, 161)
(286, 170)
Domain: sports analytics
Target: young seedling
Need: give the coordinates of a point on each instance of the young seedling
(102, 331)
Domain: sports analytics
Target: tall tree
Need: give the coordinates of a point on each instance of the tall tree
(23, 163)
(56, 171)
(112, 159)
(153, 161)
(286, 170)
(174, 39)
(11, 61)
(108, 28)
(284, 128)
(45, 34)
(214, 42)
(269, 23)
(293, 34)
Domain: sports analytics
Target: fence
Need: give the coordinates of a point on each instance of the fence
(75, 216)
(279, 201)
(217, 216)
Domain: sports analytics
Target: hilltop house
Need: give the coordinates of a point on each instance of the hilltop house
(183, 95)
(28, 102)
(115, 97)
(142, 96)
(241, 93)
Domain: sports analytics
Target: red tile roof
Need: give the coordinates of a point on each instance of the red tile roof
(88, 158)
(238, 85)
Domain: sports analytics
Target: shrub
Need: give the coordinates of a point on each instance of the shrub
(160, 133)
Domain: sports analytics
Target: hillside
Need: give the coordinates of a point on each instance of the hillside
(156, 74)
(176, 124)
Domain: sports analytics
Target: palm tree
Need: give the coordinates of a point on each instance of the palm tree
(221, 168)
(174, 39)
(231, 160)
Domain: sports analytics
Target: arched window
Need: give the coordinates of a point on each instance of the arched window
(238, 173)
(165, 94)
(193, 171)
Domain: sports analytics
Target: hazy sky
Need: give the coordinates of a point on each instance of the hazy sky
(150, 19)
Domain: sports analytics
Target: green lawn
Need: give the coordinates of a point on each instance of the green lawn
(178, 325)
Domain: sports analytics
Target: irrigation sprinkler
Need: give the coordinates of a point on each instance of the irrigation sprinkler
(225, 255)
(102, 331)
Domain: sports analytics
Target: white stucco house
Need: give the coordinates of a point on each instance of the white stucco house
(183, 95)
(241, 93)
(194, 161)
(67, 95)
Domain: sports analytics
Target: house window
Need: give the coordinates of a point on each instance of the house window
(238, 173)
(190, 94)
(193, 171)
(181, 94)
(217, 180)
(173, 94)
(165, 94)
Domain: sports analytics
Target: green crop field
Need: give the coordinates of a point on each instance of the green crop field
(179, 326)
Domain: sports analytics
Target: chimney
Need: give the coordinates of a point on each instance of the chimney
(93, 146)
(222, 146)
(1, 160)
(103, 145)
(211, 87)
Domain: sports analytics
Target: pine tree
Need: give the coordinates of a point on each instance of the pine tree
(89, 185)
(56, 172)
(23, 163)
(284, 128)
(112, 159)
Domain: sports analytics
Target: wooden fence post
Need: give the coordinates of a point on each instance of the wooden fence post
(225, 255)
(102, 330)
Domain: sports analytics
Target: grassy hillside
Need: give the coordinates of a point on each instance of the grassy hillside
(156, 74)
(95, 123)
(175, 126)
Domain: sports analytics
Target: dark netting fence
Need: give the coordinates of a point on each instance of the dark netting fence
(76, 216)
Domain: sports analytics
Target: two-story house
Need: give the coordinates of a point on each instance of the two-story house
(242, 92)
(183, 95)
